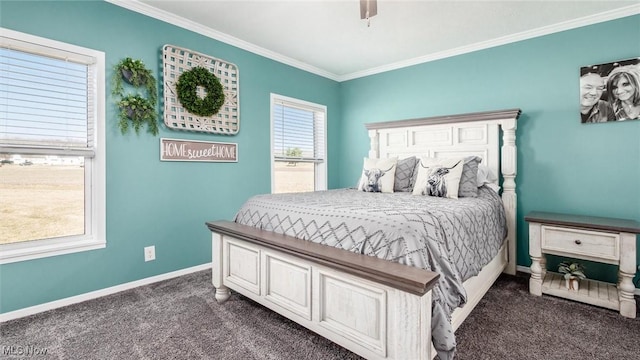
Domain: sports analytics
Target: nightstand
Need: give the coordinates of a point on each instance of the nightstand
(604, 240)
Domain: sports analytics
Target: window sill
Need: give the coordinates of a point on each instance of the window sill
(31, 250)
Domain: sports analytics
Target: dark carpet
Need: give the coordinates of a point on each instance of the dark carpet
(180, 319)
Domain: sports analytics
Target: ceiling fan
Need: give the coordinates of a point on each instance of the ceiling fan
(368, 9)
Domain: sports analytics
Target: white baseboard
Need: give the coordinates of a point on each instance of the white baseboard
(98, 293)
(127, 286)
(527, 270)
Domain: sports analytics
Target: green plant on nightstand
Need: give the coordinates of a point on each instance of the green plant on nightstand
(135, 107)
(572, 272)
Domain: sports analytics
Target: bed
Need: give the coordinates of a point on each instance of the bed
(350, 293)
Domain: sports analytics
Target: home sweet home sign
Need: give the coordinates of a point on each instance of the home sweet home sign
(193, 150)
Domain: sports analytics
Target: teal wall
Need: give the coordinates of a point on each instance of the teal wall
(563, 165)
(150, 202)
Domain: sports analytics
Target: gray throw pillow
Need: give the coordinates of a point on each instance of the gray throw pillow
(469, 179)
(404, 174)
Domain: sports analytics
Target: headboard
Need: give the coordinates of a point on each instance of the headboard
(458, 136)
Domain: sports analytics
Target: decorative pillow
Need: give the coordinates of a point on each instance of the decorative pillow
(438, 177)
(404, 174)
(488, 178)
(378, 175)
(469, 178)
(414, 177)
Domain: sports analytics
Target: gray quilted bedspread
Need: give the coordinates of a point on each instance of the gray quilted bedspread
(453, 237)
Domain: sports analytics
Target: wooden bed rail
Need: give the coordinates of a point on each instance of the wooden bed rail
(405, 278)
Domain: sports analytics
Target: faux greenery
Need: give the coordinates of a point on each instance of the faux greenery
(137, 110)
(187, 86)
(571, 270)
(135, 107)
(135, 73)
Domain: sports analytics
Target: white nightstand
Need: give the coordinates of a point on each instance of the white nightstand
(605, 240)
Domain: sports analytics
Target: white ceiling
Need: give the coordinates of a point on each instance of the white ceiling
(329, 38)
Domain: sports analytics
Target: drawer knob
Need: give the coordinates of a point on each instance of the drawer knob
(578, 242)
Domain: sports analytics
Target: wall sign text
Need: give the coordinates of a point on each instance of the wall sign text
(193, 150)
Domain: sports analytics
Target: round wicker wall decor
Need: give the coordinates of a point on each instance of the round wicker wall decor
(187, 89)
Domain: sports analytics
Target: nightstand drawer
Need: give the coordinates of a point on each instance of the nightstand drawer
(590, 244)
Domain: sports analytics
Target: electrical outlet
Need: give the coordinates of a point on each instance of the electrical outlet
(149, 253)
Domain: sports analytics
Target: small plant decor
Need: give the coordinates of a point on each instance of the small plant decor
(572, 270)
(135, 73)
(135, 107)
(139, 111)
(572, 273)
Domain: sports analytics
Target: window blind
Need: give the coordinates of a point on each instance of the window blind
(298, 132)
(46, 103)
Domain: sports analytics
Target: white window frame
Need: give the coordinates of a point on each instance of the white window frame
(320, 181)
(95, 193)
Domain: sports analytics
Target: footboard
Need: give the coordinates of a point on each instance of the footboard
(375, 308)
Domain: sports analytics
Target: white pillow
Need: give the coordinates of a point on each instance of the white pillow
(439, 177)
(378, 175)
(487, 177)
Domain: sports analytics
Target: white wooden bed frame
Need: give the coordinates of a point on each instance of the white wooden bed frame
(375, 308)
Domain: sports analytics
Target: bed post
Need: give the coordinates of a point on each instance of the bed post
(222, 292)
(374, 143)
(508, 168)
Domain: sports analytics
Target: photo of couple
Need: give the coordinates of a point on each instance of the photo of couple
(610, 92)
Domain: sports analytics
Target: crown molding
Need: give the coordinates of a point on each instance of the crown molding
(525, 35)
(142, 8)
(165, 16)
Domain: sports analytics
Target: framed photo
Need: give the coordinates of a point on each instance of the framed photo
(610, 92)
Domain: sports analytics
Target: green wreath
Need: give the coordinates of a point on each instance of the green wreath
(187, 85)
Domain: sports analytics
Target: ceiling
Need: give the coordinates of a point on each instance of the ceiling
(329, 38)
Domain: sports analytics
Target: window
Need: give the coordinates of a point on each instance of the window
(52, 193)
(297, 145)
